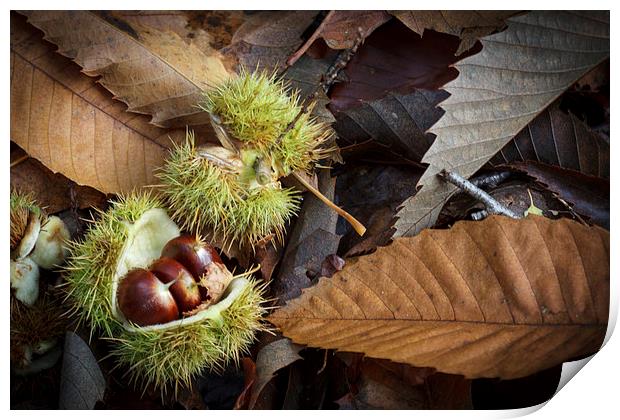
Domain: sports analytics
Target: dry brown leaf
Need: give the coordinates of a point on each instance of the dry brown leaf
(271, 358)
(68, 122)
(518, 73)
(341, 31)
(498, 298)
(153, 72)
(53, 191)
(469, 25)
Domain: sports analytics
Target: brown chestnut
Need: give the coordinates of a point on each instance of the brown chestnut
(193, 253)
(146, 300)
(184, 289)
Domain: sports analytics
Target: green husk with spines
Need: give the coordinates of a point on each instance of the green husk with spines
(256, 108)
(171, 358)
(203, 196)
(92, 261)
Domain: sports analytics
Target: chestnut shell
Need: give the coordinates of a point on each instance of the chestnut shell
(194, 254)
(185, 289)
(145, 300)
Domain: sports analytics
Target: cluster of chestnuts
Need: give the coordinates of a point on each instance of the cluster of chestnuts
(188, 275)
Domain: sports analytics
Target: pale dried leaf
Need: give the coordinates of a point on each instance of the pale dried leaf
(271, 358)
(469, 25)
(518, 73)
(69, 123)
(498, 298)
(153, 72)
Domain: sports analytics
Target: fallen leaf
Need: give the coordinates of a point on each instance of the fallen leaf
(266, 39)
(74, 126)
(560, 139)
(589, 195)
(395, 59)
(54, 191)
(271, 358)
(468, 25)
(341, 30)
(153, 72)
(312, 239)
(81, 382)
(497, 298)
(397, 122)
(249, 377)
(518, 73)
(372, 195)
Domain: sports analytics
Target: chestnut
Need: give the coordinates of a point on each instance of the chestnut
(145, 300)
(184, 289)
(193, 253)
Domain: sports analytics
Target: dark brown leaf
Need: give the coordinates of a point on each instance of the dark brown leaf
(559, 139)
(341, 31)
(468, 25)
(395, 59)
(589, 195)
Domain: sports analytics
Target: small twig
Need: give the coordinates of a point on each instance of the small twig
(359, 228)
(490, 180)
(492, 205)
(301, 51)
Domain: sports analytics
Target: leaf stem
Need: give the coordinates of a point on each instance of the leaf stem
(359, 228)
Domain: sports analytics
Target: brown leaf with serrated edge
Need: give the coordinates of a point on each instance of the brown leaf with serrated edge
(395, 59)
(266, 39)
(518, 73)
(69, 123)
(341, 31)
(153, 72)
(558, 138)
(498, 298)
(469, 25)
(53, 191)
(271, 358)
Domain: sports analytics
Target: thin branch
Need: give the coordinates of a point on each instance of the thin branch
(301, 51)
(19, 160)
(492, 205)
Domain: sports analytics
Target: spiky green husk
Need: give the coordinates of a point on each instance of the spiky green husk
(171, 358)
(256, 108)
(203, 196)
(92, 262)
(21, 205)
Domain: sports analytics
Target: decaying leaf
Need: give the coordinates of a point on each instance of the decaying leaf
(153, 72)
(81, 382)
(267, 39)
(395, 59)
(588, 195)
(518, 73)
(559, 139)
(341, 30)
(469, 25)
(498, 298)
(273, 357)
(73, 126)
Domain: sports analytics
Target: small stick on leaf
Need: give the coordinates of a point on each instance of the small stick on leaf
(493, 206)
(359, 228)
